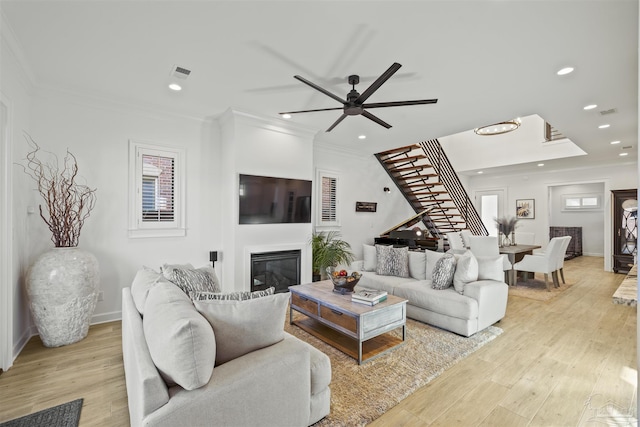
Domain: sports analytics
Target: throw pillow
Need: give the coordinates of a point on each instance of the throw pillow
(466, 271)
(180, 340)
(191, 280)
(241, 327)
(417, 265)
(432, 258)
(232, 296)
(392, 261)
(145, 279)
(442, 275)
(491, 268)
(369, 257)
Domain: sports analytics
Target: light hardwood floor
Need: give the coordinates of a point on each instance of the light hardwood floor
(558, 363)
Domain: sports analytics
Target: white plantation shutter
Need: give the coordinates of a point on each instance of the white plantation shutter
(156, 191)
(328, 199)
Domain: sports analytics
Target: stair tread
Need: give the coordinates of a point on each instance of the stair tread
(398, 150)
(404, 159)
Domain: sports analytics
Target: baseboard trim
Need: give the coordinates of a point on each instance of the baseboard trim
(106, 317)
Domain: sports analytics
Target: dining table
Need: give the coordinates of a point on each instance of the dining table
(515, 253)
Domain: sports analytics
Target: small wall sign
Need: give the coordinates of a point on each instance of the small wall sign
(366, 206)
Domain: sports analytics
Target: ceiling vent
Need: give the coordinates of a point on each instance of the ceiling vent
(609, 111)
(180, 72)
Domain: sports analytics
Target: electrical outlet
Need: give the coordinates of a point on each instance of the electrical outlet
(101, 296)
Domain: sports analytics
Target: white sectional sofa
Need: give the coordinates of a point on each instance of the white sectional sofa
(169, 352)
(479, 301)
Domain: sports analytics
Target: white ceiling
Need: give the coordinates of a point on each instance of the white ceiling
(486, 61)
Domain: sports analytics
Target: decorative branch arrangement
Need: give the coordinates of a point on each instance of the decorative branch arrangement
(506, 226)
(67, 202)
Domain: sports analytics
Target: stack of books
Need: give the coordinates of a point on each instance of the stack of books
(368, 296)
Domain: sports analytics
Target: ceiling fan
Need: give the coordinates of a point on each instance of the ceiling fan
(355, 103)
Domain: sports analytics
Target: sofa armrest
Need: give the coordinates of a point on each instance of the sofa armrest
(492, 300)
(248, 382)
(357, 265)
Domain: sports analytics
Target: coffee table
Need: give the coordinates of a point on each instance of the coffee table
(358, 330)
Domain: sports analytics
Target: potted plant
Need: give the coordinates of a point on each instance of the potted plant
(506, 228)
(328, 250)
(62, 284)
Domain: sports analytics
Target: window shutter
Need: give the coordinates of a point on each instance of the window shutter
(329, 200)
(158, 195)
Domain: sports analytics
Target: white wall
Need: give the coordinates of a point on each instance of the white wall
(591, 221)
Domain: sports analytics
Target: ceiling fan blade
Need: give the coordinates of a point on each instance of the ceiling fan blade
(379, 81)
(381, 122)
(312, 111)
(318, 88)
(399, 103)
(341, 118)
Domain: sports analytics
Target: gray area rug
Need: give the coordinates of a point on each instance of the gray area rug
(65, 415)
(362, 393)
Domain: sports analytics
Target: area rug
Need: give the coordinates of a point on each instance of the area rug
(362, 393)
(537, 290)
(65, 415)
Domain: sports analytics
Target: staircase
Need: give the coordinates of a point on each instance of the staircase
(424, 175)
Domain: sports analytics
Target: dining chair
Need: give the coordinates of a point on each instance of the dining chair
(488, 246)
(561, 254)
(525, 238)
(455, 241)
(546, 263)
(465, 234)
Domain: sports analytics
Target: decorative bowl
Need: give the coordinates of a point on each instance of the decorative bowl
(343, 283)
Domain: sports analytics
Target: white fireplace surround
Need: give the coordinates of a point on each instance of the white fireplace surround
(305, 260)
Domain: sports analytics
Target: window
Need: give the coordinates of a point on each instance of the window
(157, 191)
(327, 214)
(575, 202)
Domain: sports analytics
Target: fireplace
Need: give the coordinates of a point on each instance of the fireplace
(279, 269)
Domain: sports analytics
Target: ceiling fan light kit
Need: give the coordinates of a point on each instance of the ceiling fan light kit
(355, 105)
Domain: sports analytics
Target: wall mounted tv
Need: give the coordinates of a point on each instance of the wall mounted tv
(270, 200)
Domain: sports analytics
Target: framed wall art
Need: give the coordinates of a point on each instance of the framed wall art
(525, 208)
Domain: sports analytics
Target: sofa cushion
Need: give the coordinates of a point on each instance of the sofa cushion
(490, 268)
(442, 275)
(231, 296)
(241, 327)
(144, 280)
(369, 257)
(370, 280)
(392, 261)
(180, 340)
(466, 271)
(193, 280)
(432, 258)
(447, 302)
(417, 265)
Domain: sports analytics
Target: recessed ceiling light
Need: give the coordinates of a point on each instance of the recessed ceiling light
(480, 172)
(565, 70)
(590, 106)
(540, 164)
(362, 136)
(175, 86)
(604, 126)
(623, 154)
(286, 116)
(614, 142)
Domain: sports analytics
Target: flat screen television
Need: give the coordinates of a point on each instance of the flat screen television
(271, 200)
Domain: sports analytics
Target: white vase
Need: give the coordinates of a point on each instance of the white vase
(62, 286)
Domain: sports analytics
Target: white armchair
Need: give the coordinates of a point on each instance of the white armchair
(546, 263)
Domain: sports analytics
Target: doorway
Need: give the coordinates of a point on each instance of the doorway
(6, 281)
(490, 205)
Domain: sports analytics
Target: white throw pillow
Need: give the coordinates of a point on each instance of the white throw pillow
(369, 257)
(145, 279)
(232, 296)
(466, 271)
(417, 265)
(241, 327)
(180, 340)
(490, 268)
(432, 258)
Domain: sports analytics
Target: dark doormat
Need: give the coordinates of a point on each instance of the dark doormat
(65, 415)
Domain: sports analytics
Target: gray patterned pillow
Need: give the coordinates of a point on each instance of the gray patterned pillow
(392, 261)
(231, 296)
(442, 275)
(189, 280)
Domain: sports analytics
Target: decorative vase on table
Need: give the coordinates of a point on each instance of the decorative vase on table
(62, 285)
